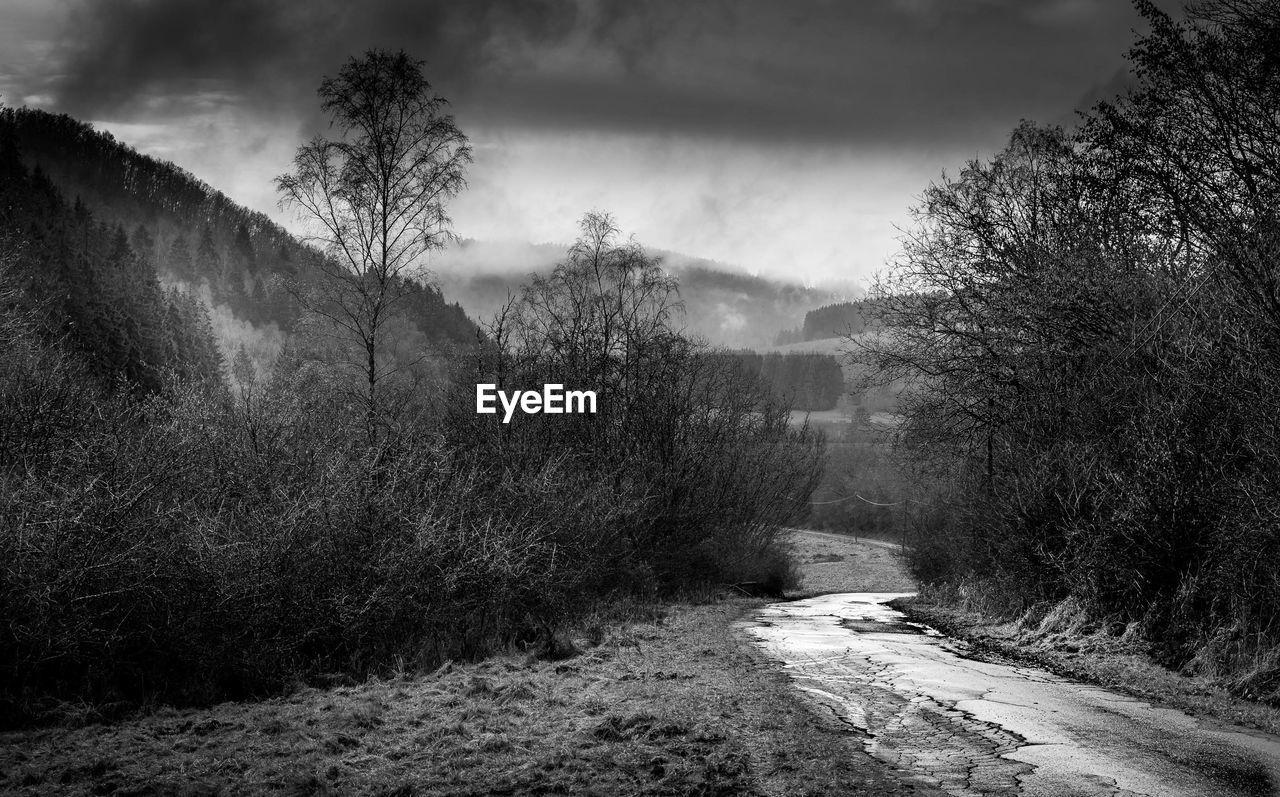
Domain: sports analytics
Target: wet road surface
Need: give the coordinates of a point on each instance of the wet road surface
(930, 707)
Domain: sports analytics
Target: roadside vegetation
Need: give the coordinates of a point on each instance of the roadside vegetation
(1066, 643)
(221, 530)
(662, 700)
(1088, 328)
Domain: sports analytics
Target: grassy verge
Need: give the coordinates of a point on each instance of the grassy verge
(1059, 643)
(670, 704)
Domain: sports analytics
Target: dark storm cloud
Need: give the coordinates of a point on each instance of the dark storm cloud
(873, 71)
(122, 54)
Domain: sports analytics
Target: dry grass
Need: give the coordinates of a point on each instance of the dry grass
(674, 705)
(1060, 640)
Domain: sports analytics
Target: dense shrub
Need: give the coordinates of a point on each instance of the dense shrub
(189, 550)
(1087, 324)
(700, 448)
(199, 543)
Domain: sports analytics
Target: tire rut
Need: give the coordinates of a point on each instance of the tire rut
(934, 742)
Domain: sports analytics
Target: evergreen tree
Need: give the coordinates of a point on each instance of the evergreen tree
(178, 261)
(245, 256)
(208, 263)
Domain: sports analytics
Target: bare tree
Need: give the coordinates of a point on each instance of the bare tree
(601, 306)
(1007, 285)
(375, 196)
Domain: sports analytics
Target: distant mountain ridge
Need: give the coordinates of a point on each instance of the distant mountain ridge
(722, 304)
(238, 261)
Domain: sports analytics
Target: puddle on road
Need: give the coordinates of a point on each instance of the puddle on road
(924, 704)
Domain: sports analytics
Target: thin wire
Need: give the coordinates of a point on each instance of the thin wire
(1156, 316)
(867, 501)
(1165, 322)
(841, 501)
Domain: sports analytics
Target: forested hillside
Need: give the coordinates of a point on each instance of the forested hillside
(720, 303)
(194, 237)
(83, 280)
(832, 321)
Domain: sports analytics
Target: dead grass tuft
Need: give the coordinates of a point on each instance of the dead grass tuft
(1111, 654)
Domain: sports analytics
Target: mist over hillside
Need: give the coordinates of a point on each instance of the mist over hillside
(234, 262)
(722, 303)
(238, 261)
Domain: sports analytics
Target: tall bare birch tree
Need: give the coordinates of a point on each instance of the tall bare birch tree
(375, 197)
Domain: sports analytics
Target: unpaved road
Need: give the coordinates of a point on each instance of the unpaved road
(930, 707)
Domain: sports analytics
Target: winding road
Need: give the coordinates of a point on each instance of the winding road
(971, 725)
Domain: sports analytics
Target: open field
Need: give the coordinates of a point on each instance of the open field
(840, 563)
(821, 418)
(821, 346)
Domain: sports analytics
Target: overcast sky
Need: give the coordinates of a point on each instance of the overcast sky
(787, 137)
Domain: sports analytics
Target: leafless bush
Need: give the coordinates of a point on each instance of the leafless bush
(1088, 327)
(192, 546)
(699, 451)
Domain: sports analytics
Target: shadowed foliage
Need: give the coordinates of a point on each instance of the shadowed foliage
(1088, 327)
